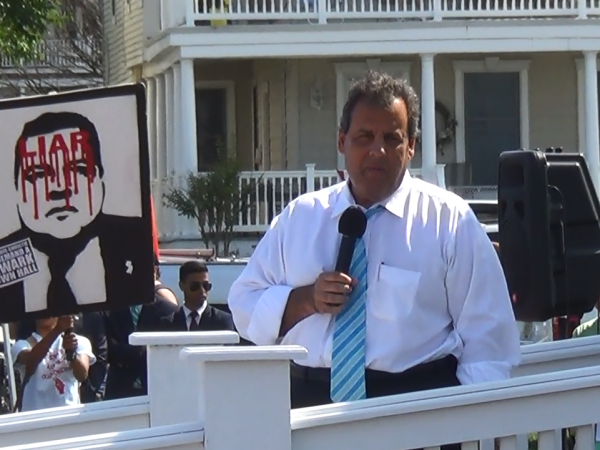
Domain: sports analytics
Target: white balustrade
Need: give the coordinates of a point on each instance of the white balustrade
(164, 407)
(60, 423)
(266, 194)
(244, 403)
(323, 11)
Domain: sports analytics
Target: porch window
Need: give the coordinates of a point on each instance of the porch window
(211, 125)
(492, 122)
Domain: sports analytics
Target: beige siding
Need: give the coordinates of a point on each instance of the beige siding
(124, 39)
(552, 103)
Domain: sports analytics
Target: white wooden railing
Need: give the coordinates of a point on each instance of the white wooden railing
(327, 11)
(223, 398)
(267, 194)
(55, 53)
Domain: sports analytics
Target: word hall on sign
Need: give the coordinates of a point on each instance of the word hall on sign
(17, 262)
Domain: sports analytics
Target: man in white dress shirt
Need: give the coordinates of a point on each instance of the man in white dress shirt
(433, 309)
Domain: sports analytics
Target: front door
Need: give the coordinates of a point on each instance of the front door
(492, 122)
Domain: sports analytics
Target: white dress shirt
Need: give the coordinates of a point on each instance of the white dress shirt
(188, 314)
(435, 283)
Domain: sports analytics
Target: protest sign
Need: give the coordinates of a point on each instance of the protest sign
(76, 224)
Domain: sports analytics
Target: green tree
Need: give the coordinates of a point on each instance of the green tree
(215, 200)
(24, 23)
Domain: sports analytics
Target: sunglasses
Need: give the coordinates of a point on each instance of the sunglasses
(195, 286)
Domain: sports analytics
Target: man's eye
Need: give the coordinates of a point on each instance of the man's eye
(34, 174)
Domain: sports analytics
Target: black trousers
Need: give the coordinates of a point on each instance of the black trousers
(310, 386)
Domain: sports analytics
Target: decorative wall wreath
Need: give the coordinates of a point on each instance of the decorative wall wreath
(447, 135)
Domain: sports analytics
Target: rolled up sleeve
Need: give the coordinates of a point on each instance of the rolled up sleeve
(480, 306)
(257, 299)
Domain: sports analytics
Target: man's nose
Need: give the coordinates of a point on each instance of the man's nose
(60, 194)
(377, 147)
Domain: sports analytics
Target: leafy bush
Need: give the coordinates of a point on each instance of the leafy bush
(215, 200)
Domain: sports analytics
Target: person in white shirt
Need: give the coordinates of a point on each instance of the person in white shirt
(431, 308)
(52, 362)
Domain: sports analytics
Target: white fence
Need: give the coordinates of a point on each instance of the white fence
(199, 12)
(224, 398)
(266, 194)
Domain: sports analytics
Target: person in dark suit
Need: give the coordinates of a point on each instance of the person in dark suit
(196, 314)
(165, 303)
(78, 256)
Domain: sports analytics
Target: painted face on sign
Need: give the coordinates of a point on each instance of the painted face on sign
(59, 184)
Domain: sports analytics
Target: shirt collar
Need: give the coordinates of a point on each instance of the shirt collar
(395, 203)
(188, 311)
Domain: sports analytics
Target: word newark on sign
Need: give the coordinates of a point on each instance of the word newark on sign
(17, 262)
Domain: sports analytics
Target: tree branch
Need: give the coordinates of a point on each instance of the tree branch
(73, 58)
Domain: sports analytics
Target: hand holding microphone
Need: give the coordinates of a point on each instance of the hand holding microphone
(332, 289)
(65, 324)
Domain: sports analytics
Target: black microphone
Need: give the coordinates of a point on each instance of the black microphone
(352, 226)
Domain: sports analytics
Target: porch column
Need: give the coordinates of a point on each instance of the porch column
(592, 127)
(171, 229)
(170, 123)
(152, 135)
(189, 142)
(178, 150)
(161, 155)
(428, 136)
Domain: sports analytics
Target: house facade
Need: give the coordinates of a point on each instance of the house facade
(269, 80)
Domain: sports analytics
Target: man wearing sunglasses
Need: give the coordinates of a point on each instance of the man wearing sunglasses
(196, 314)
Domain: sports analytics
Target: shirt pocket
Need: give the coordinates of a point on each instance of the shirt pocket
(394, 292)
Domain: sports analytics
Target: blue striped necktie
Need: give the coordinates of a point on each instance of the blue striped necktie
(349, 333)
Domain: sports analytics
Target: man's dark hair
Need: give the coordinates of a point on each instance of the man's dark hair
(382, 90)
(191, 267)
(48, 123)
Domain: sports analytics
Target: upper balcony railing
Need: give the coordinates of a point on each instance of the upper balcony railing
(53, 53)
(224, 12)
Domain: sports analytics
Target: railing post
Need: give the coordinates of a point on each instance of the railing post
(437, 10)
(441, 175)
(246, 398)
(322, 11)
(310, 177)
(173, 385)
(190, 11)
(582, 9)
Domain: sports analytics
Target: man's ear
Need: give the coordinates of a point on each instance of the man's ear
(411, 148)
(341, 142)
(181, 285)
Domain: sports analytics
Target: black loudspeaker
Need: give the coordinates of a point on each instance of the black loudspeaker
(549, 233)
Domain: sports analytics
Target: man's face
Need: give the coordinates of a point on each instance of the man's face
(195, 287)
(377, 150)
(59, 186)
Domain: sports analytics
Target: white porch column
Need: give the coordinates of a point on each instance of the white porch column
(428, 137)
(152, 134)
(592, 127)
(172, 228)
(161, 136)
(161, 155)
(189, 142)
(178, 150)
(170, 122)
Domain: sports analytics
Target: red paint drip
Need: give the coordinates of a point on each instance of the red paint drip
(47, 159)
